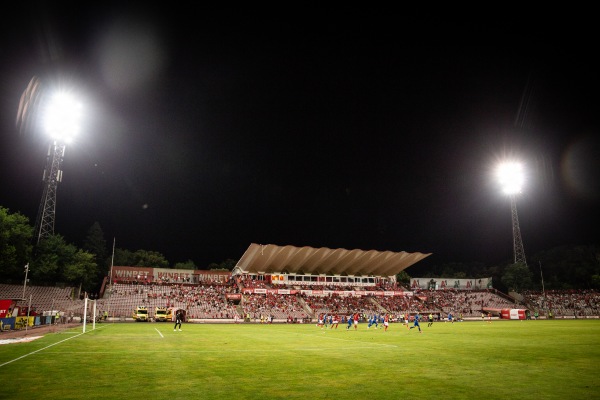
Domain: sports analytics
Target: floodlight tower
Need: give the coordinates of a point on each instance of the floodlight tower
(510, 176)
(61, 121)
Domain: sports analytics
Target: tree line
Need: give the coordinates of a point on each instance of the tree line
(53, 261)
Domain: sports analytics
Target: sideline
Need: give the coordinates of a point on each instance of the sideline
(47, 347)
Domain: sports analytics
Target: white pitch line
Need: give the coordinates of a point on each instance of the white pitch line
(44, 348)
(161, 335)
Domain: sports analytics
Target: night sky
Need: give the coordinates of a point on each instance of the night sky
(208, 131)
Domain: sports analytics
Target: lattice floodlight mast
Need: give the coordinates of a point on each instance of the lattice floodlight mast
(62, 124)
(52, 176)
(517, 241)
(511, 178)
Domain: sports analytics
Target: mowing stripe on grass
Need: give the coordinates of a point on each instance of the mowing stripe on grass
(44, 348)
(350, 340)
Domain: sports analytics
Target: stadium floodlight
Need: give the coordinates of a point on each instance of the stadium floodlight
(63, 117)
(61, 120)
(511, 178)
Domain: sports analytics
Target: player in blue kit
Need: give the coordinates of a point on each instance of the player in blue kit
(373, 321)
(350, 321)
(416, 324)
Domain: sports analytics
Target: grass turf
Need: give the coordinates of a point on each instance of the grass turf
(505, 359)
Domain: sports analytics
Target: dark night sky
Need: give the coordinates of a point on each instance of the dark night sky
(208, 131)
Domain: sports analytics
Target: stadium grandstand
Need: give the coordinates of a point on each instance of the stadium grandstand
(288, 284)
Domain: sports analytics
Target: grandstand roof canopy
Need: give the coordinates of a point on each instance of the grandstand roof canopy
(269, 259)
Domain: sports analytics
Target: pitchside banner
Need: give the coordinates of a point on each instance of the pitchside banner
(450, 283)
(129, 274)
(513, 313)
(149, 275)
(192, 276)
(5, 305)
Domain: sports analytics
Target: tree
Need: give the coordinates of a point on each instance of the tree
(153, 259)
(227, 265)
(82, 269)
(15, 244)
(567, 267)
(57, 261)
(517, 277)
(189, 264)
(95, 244)
(449, 270)
(403, 278)
(596, 281)
(124, 257)
(141, 258)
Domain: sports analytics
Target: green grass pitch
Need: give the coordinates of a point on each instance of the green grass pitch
(556, 359)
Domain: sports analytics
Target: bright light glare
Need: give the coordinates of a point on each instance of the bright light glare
(510, 176)
(63, 117)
